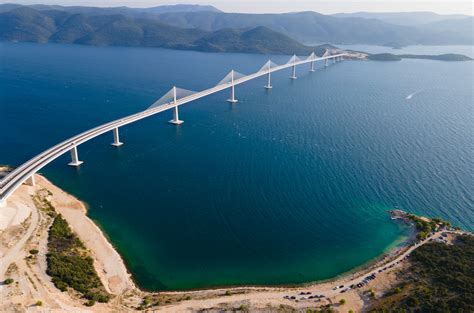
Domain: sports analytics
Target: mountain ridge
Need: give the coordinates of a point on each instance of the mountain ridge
(308, 28)
(27, 24)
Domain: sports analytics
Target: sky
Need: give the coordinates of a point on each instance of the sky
(279, 6)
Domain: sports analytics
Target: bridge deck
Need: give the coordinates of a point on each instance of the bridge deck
(20, 174)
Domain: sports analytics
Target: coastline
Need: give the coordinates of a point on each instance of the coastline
(77, 220)
(127, 295)
(108, 262)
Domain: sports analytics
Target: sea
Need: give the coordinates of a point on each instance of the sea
(289, 185)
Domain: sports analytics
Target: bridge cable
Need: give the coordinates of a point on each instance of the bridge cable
(228, 78)
(168, 97)
(293, 59)
(270, 64)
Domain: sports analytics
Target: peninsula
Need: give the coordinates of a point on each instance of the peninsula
(398, 57)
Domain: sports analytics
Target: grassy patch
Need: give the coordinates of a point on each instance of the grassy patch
(69, 264)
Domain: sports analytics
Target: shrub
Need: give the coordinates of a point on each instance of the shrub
(69, 266)
(34, 251)
(342, 301)
(8, 281)
(39, 303)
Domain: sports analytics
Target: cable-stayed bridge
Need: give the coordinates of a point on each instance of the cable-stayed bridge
(170, 101)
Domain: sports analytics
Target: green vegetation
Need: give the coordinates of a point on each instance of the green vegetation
(342, 301)
(384, 57)
(8, 281)
(69, 264)
(34, 251)
(441, 279)
(424, 227)
(39, 303)
(31, 25)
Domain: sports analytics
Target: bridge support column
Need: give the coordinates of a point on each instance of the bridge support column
(326, 63)
(232, 90)
(175, 119)
(269, 81)
(312, 67)
(31, 181)
(74, 158)
(293, 74)
(116, 142)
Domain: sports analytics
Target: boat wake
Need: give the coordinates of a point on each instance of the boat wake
(414, 93)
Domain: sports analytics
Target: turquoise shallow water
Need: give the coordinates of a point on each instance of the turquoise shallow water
(288, 186)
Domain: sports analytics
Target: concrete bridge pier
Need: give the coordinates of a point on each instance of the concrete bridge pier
(269, 81)
(175, 119)
(31, 180)
(232, 90)
(326, 63)
(293, 74)
(312, 67)
(116, 142)
(74, 157)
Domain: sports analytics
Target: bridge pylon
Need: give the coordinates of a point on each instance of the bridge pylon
(74, 157)
(232, 89)
(175, 119)
(116, 142)
(326, 63)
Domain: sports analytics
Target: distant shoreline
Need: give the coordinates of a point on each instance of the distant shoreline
(450, 57)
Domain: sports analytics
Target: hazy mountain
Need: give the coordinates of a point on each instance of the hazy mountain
(452, 25)
(114, 10)
(27, 24)
(305, 27)
(180, 8)
(311, 27)
(404, 18)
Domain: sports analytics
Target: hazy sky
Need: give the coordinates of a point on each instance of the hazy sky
(261, 6)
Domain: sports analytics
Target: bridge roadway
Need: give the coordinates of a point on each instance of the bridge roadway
(19, 175)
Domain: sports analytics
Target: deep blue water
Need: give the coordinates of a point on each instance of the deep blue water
(287, 186)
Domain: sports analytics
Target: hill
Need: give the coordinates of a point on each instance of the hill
(27, 24)
(389, 29)
(114, 10)
(404, 18)
(440, 279)
(398, 57)
(312, 27)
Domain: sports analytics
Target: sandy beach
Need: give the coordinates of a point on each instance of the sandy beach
(24, 227)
